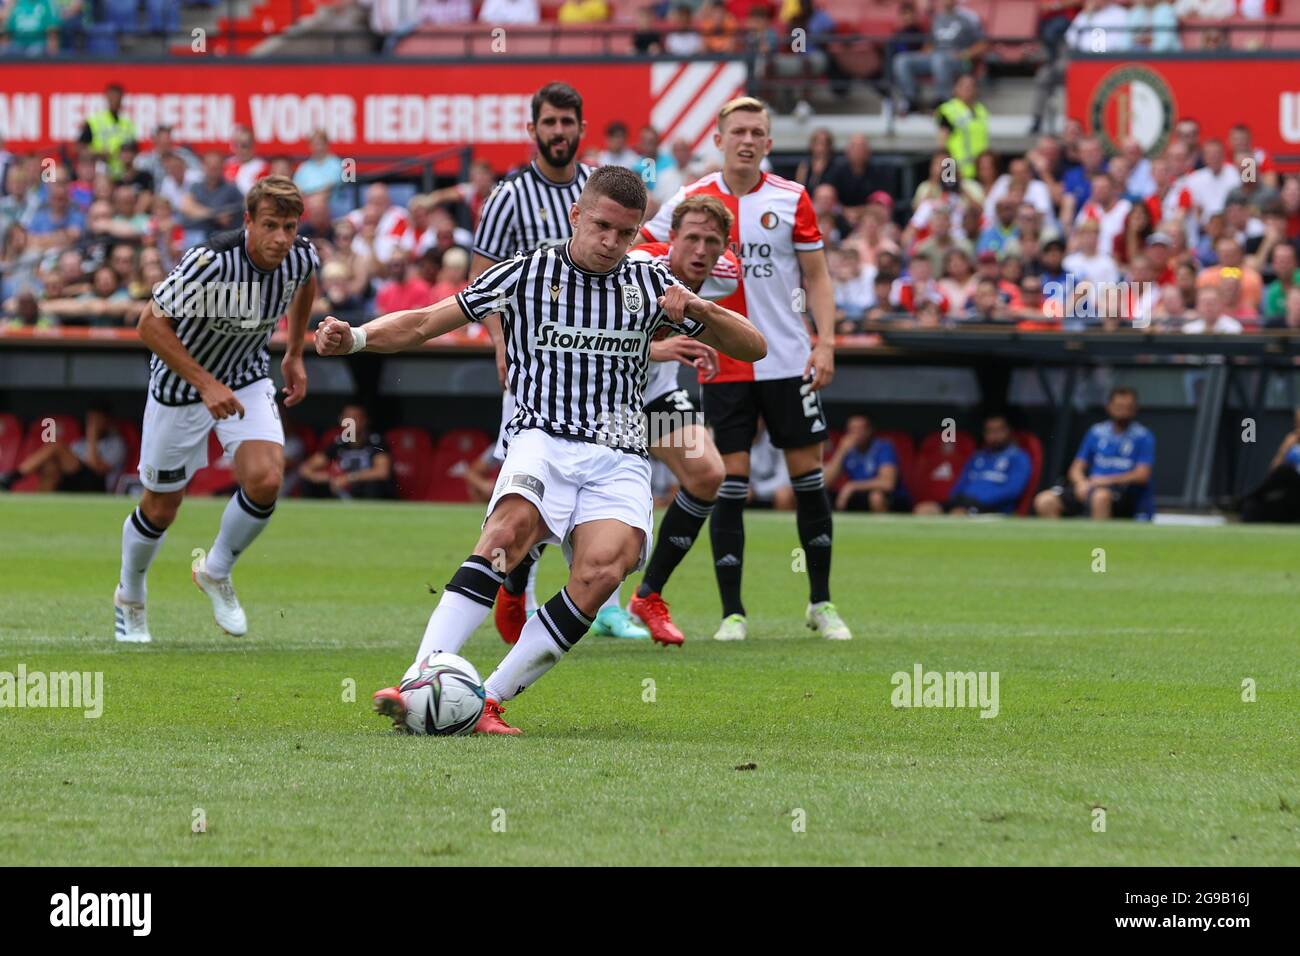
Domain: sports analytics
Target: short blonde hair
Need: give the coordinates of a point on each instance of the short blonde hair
(745, 104)
(285, 198)
(706, 205)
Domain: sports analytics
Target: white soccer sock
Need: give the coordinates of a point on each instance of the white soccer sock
(614, 600)
(241, 523)
(530, 589)
(452, 622)
(545, 638)
(140, 542)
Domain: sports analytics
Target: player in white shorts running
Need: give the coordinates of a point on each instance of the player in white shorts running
(578, 320)
(208, 326)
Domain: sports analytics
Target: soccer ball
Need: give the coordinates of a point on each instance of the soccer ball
(445, 699)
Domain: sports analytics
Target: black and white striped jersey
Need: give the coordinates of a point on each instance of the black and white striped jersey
(577, 342)
(224, 309)
(527, 212)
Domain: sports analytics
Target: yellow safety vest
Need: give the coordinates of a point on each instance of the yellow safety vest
(107, 136)
(970, 133)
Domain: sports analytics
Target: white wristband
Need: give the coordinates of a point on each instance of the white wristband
(358, 339)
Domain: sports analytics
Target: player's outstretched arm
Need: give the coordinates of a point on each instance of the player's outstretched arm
(729, 332)
(392, 332)
(156, 332)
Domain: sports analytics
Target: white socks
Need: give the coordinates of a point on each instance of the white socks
(140, 542)
(241, 523)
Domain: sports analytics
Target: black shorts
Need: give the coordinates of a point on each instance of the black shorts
(83, 479)
(789, 407)
(1124, 500)
(670, 412)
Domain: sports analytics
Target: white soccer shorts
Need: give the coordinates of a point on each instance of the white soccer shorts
(571, 482)
(174, 439)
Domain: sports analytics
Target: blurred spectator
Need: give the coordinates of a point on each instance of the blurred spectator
(1284, 266)
(452, 273)
(682, 39)
(338, 296)
(245, 167)
(852, 283)
(446, 13)
(1211, 184)
(910, 34)
(33, 28)
(716, 26)
(1210, 317)
(616, 151)
(212, 203)
(518, 12)
(380, 223)
(963, 124)
(105, 131)
(826, 205)
(992, 480)
(473, 194)
(651, 163)
(1002, 231)
(870, 465)
(88, 464)
(956, 38)
(1132, 241)
(1232, 266)
(1089, 262)
(1110, 476)
(403, 288)
(647, 40)
(1078, 178)
(986, 305)
(1107, 209)
(583, 11)
(386, 18)
(918, 286)
(56, 222)
(685, 167)
(1153, 27)
(357, 464)
(958, 280)
(1239, 143)
(107, 303)
(814, 168)
(855, 177)
(1054, 18)
(320, 172)
(156, 161)
(1020, 178)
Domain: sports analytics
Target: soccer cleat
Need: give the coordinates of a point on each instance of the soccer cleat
(388, 703)
(129, 623)
(616, 622)
(225, 606)
(491, 721)
(826, 621)
(733, 628)
(509, 614)
(652, 611)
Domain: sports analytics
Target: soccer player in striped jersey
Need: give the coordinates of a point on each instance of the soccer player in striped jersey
(529, 210)
(697, 256)
(578, 320)
(780, 246)
(208, 326)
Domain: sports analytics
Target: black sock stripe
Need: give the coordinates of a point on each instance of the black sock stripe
(143, 526)
(808, 482)
(476, 580)
(251, 506)
(734, 486)
(551, 628)
(692, 505)
(472, 595)
(573, 608)
(477, 562)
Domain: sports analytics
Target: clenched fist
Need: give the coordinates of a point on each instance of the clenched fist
(333, 337)
(677, 300)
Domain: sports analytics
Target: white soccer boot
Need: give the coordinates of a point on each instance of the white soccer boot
(733, 628)
(826, 621)
(129, 623)
(225, 606)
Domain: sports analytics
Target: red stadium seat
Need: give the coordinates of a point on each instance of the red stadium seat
(455, 452)
(906, 454)
(1034, 448)
(938, 466)
(218, 478)
(11, 441)
(130, 433)
(66, 430)
(412, 453)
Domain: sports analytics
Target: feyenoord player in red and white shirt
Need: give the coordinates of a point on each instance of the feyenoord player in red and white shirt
(776, 237)
(697, 256)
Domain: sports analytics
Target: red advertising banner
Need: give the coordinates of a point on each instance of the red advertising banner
(1144, 99)
(366, 110)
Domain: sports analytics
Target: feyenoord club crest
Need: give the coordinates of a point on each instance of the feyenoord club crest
(1133, 101)
(631, 298)
(769, 219)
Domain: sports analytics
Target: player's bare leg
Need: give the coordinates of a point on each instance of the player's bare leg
(604, 553)
(142, 536)
(813, 518)
(259, 469)
(690, 454)
(727, 537)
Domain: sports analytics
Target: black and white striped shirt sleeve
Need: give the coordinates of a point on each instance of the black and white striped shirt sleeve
(180, 293)
(660, 280)
(495, 237)
(493, 290)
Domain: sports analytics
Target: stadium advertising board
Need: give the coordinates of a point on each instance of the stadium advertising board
(367, 110)
(1118, 99)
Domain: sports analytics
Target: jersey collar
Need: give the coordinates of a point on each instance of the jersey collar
(537, 171)
(724, 188)
(568, 260)
(248, 256)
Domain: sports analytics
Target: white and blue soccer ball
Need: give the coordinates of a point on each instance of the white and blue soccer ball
(445, 699)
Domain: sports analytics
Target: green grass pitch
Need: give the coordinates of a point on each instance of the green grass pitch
(1120, 690)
